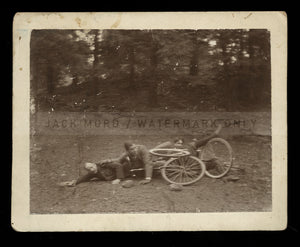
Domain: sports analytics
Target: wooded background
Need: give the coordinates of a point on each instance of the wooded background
(150, 70)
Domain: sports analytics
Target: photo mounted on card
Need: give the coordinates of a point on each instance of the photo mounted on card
(149, 121)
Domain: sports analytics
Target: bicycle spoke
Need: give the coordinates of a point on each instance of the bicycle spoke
(183, 177)
(180, 177)
(189, 162)
(183, 161)
(176, 176)
(171, 176)
(196, 169)
(191, 174)
(188, 177)
(210, 148)
(172, 172)
(174, 163)
(172, 169)
(177, 162)
(194, 164)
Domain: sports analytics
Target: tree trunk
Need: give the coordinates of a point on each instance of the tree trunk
(194, 64)
(34, 67)
(153, 101)
(132, 72)
(50, 79)
(74, 83)
(195, 58)
(226, 86)
(252, 68)
(33, 99)
(240, 84)
(94, 79)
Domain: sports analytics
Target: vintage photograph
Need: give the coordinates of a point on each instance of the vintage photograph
(143, 121)
(150, 121)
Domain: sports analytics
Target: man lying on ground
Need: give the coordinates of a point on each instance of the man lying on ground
(134, 157)
(102, 171)
(193, 146)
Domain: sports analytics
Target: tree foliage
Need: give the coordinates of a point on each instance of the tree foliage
(225, 69)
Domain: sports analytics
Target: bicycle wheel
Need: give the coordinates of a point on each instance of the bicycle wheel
(169, 152)
(183, 170)
(217, 156)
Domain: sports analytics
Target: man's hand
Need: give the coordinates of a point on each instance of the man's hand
(71, 183)
(68, 183)
(145, 181)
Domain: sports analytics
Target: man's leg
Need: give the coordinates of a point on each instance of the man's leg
(203, 141)
(215, 164)
(118, 168)
(126, 168)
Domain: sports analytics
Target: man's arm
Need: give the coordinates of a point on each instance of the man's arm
(85, 178)
(81, 179)
(120, 159)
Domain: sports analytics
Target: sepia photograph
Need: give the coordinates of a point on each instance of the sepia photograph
(151, 121)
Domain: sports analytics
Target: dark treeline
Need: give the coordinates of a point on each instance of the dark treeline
(150, 70)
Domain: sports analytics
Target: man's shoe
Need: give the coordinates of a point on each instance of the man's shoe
(116, 181)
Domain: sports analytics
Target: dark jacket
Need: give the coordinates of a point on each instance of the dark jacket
(142, 159)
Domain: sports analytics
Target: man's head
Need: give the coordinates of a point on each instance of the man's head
(128, 145)
(178, 142)
(130, 148)
(91, 167)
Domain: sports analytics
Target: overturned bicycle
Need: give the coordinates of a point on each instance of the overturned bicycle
(213, 159)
